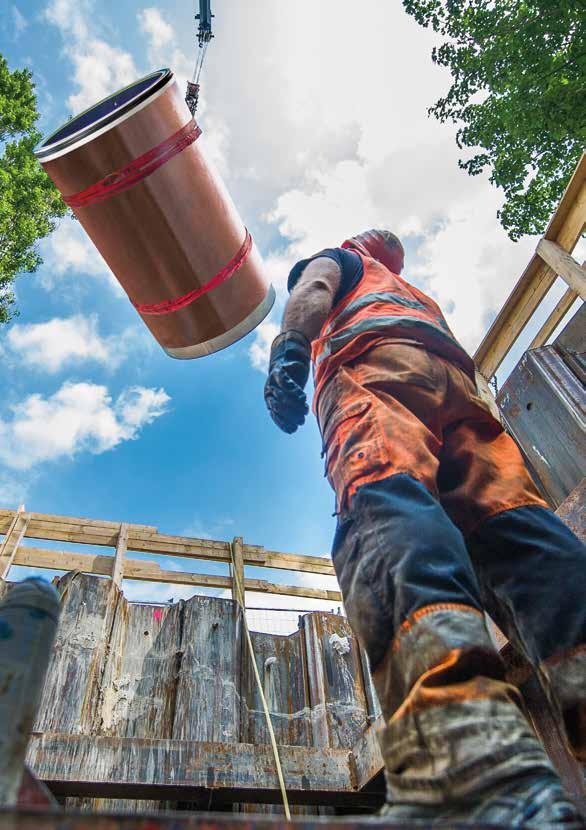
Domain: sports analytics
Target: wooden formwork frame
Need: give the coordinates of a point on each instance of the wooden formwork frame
(552, 258)
(124, 537)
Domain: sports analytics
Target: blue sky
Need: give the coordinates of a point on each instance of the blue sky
(318, 133)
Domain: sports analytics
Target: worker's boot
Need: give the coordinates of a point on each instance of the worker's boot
(567, 677)
(456, 744)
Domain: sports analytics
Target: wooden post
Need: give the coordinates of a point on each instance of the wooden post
(556, 316)
(487, 395)
(118, 566)
(238, 571)
(12, 541)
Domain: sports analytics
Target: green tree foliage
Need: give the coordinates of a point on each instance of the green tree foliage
(518, 95)
(29, 203)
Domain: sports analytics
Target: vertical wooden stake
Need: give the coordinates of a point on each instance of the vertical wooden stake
(12, 541)
(238, 571)
(118, 566)
(487, 395)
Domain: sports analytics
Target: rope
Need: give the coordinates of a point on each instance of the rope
(136, 170)
(240, 597)
(199, 63)
(168, 306)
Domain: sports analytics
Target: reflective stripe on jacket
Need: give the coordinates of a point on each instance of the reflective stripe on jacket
(382, 305)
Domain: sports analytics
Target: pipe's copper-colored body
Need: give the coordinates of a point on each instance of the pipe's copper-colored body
(169, 233)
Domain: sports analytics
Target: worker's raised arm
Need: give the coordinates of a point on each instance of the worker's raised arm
(312, 298)
(307, 309)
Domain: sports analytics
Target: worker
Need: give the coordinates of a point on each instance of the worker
(438, 521)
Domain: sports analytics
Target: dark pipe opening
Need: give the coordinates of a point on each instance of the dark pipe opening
(104, 112)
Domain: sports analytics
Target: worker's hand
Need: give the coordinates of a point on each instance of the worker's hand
(288, 373)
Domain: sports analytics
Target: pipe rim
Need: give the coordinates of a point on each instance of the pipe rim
(48, 149)
(222, 341)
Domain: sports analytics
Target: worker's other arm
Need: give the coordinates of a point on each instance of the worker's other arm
(307, 309)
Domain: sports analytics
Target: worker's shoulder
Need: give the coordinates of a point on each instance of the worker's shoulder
(350, 264)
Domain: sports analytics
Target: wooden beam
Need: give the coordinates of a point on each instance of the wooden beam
(118, 565)
(152, 572)
(96, 764)
(147, 540)
(98, 523)
(564, 265)
(554, 319)
(565, 228)
(237, 567)
(571, 195)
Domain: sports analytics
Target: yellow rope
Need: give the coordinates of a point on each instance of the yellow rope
(240, 596)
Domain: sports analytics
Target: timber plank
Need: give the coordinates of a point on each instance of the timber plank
(564, 265)
(146, 540)
(121, 547)
(152, 572)
(555, 317)
(565, 228)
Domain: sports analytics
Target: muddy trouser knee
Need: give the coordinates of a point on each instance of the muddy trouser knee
(532, 570)
(453, 725)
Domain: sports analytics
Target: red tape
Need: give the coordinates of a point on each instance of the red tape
(140, 168)
(167, 306)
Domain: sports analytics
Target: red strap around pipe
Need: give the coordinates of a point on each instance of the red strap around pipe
(167, 306)
(139, 169)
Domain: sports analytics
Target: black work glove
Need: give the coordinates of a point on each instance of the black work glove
(288, 373)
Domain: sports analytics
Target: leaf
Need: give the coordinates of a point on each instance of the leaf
(29, 202)
(528, 59)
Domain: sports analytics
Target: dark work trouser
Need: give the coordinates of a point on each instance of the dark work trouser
(415, 590)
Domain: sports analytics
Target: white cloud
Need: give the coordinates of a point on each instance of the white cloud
(163, 50)
(78, 417)
(160, 33)
(260, 349)
(327, 134)
(99, 68)
(331, 136)
(68, 252)
(13, 490)
(61, 341)
(19, 20)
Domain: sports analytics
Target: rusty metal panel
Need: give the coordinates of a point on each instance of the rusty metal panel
(336, 688)
(138, 683)
(32, 820)
(281, 665)
(99, 766)
(165, 692)
(71, 696)
(208, 684)
(544, 406)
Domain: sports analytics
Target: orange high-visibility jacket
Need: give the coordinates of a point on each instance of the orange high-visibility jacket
(382, 306)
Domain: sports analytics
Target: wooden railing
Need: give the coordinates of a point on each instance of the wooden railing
(552, 258)
(123, 537)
